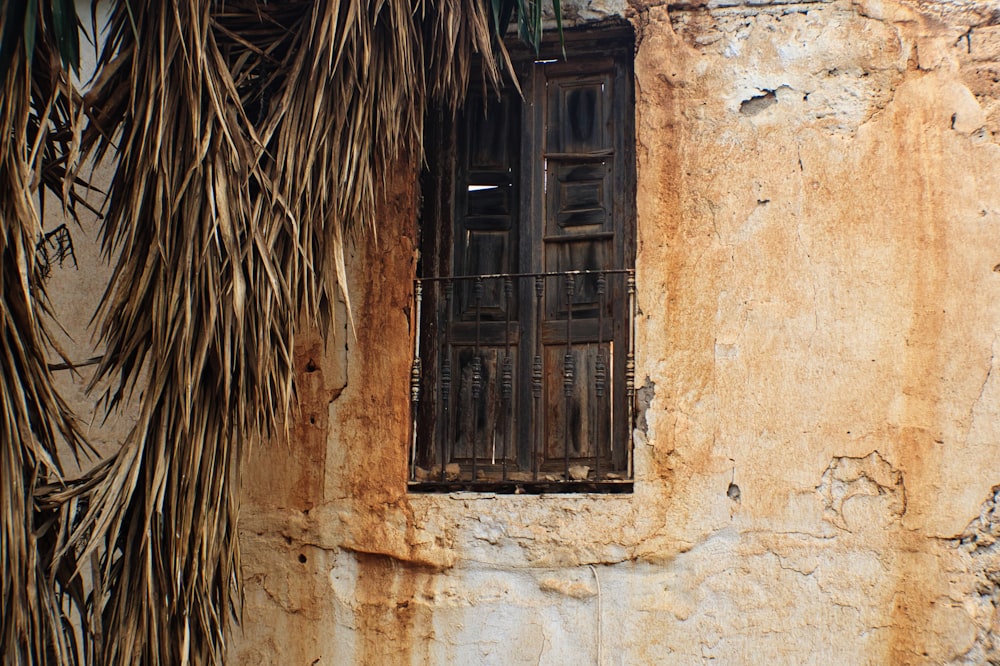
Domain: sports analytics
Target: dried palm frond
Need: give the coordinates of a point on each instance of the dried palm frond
(191, 316)
(454, 32)
(225, 228)
(41, 598)
(250, 140)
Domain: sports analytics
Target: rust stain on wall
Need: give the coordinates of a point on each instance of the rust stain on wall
(376, 471)
(392, 622)
(667, 246)
(392, 615)
(799, 273)
(290, 473)
(919, 145)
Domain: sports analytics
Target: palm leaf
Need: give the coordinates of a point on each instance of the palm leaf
(223, 231)
(43, 601)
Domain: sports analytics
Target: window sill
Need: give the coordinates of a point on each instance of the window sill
(523, 487)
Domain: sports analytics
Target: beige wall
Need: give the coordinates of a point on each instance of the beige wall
(818, 225)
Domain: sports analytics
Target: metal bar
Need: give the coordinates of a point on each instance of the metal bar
(630, 370)
(568, 372)
(600, 373)
(497, 276)
(415, 373)
(537, 427)
(508, 374)
(477, 374)
(449, 291)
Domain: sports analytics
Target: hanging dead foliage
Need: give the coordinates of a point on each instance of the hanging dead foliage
(249, 141)
(41, 597)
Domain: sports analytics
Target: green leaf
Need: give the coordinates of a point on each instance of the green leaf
(506, 12)
(65, 25)
(557, 10)
(536, 24)
(30, 25)
(523, 22)
(497, 6)
(13, 20)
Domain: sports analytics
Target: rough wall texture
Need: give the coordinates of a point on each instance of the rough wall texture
(818, 231)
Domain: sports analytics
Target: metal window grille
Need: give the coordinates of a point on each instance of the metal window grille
(512, 409)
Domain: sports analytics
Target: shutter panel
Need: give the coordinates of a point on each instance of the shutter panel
(485, 243)
(579, 224)
(542, 184)
(487, 200)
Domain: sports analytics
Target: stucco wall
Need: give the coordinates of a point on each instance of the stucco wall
(818, 226)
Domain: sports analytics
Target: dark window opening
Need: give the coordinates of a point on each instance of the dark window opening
(523, 375)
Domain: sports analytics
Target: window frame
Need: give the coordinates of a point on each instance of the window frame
(597, 51)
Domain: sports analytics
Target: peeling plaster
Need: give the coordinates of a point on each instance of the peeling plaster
(817, 231)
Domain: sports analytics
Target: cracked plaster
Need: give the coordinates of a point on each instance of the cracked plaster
(818, 231)
(818, 226)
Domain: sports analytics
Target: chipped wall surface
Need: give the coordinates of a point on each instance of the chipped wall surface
(817, 471)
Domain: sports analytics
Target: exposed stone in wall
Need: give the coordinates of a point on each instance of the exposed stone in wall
(982, 558)
(982, 533)
(580, 12)
(979, 66)
(818, 229)
(815, 64)
(862, 493)
(973, 13)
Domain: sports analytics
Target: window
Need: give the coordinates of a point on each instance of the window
(523, 374)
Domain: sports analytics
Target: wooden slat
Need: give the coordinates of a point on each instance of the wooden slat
(483, 421)
(577, 124)
(587, 416)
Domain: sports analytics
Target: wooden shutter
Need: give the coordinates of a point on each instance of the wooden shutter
(486, 242)
(578, 234)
